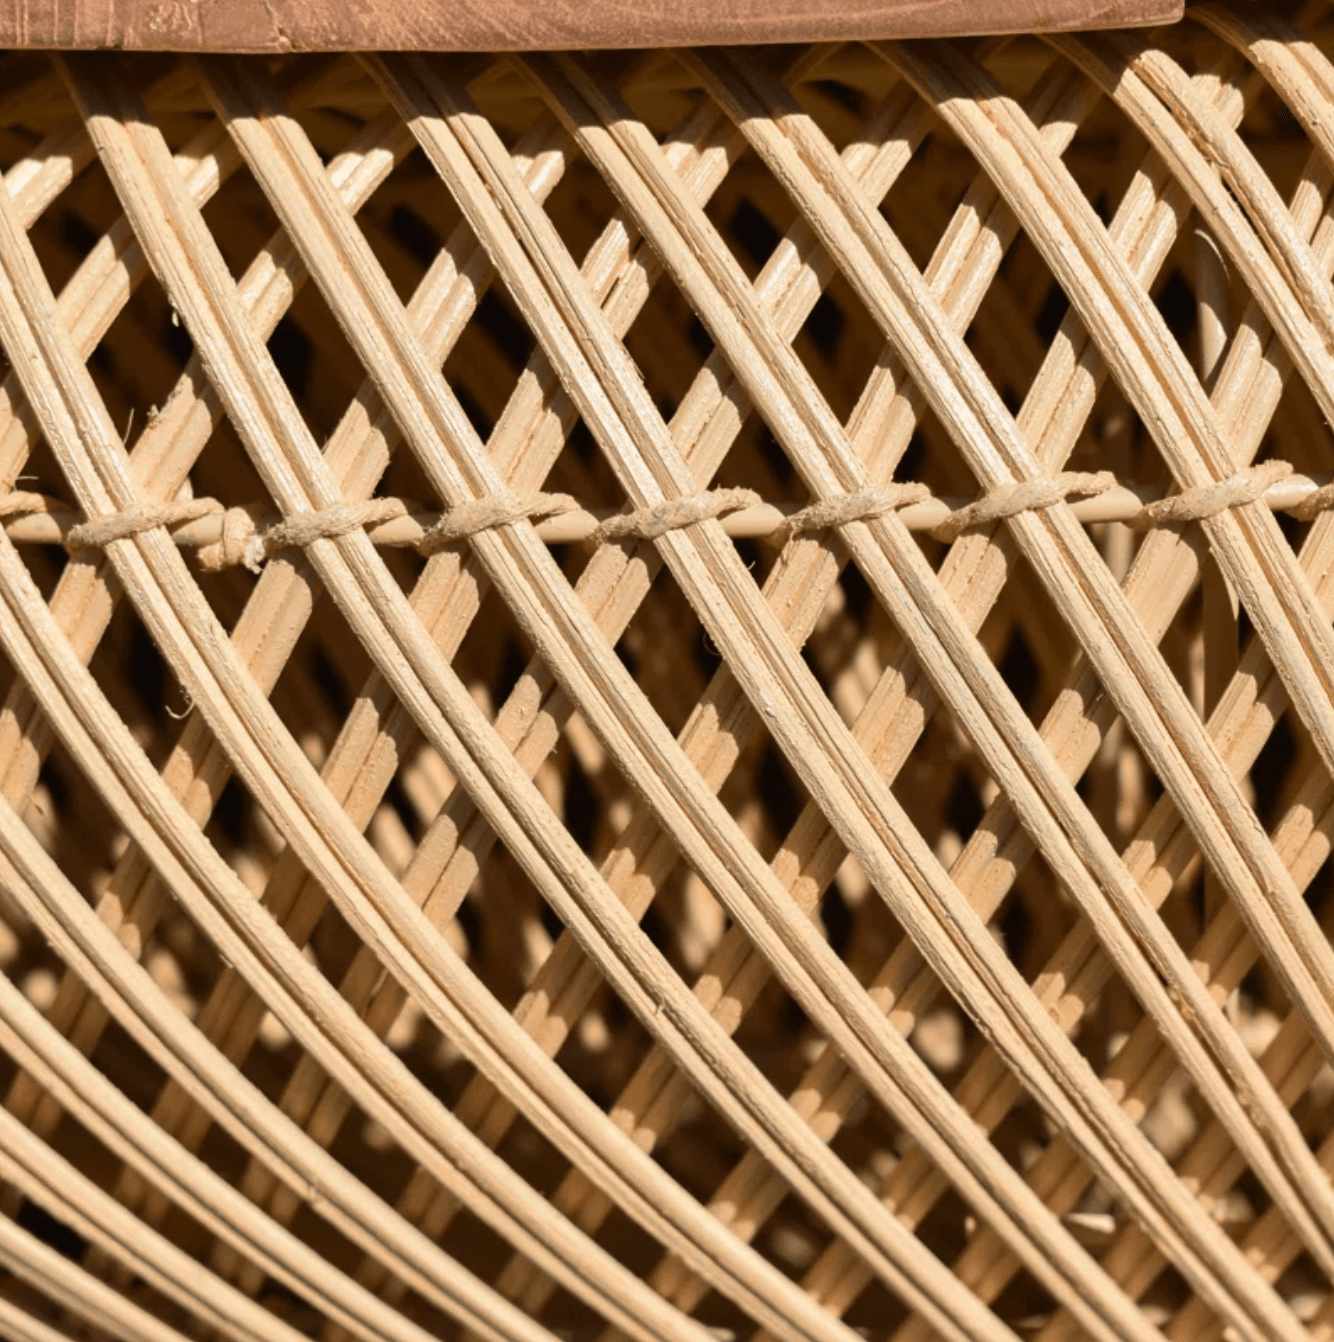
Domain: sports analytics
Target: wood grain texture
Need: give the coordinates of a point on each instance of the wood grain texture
(515, 25)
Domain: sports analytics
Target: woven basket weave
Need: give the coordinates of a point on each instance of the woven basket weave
(787, 794)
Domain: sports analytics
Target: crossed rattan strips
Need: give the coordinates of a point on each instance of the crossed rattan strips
(1208, 441)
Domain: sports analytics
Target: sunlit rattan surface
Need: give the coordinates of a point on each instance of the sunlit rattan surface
(671, 696)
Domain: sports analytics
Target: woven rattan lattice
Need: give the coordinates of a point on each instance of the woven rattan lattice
(673, 695)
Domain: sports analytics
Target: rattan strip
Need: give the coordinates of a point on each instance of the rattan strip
(736, 302)
(435, 1127)
(84, 1295)
(791, 590)
(312, 887)
(224, 1089)
(362, 975)
(806, 890)
(359, 453)
(164, 455)
(1054, 515)
(824, 1082)
(560, 988)
(247, 368)
(392, 359)
(1201, 487)
(1251, 413)
(1219, 942)
(135, 1000)
(731, 980)
(772, 688)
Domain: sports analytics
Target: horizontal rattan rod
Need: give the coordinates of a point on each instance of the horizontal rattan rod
(50, 521)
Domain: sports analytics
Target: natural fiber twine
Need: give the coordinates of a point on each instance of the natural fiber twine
(700, 702)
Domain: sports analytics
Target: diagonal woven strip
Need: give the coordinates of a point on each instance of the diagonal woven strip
(915, 928)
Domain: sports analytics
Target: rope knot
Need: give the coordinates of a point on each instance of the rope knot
(861, 505)
(244, 542)
(498, 510)
(647, 524)
(1203, 501)
(98, 532)
(1022, 496)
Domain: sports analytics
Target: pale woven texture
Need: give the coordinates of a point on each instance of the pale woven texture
(698, 703)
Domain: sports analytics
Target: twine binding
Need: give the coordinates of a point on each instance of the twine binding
(244, 541)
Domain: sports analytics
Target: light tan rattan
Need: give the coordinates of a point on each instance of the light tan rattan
(698, 702)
